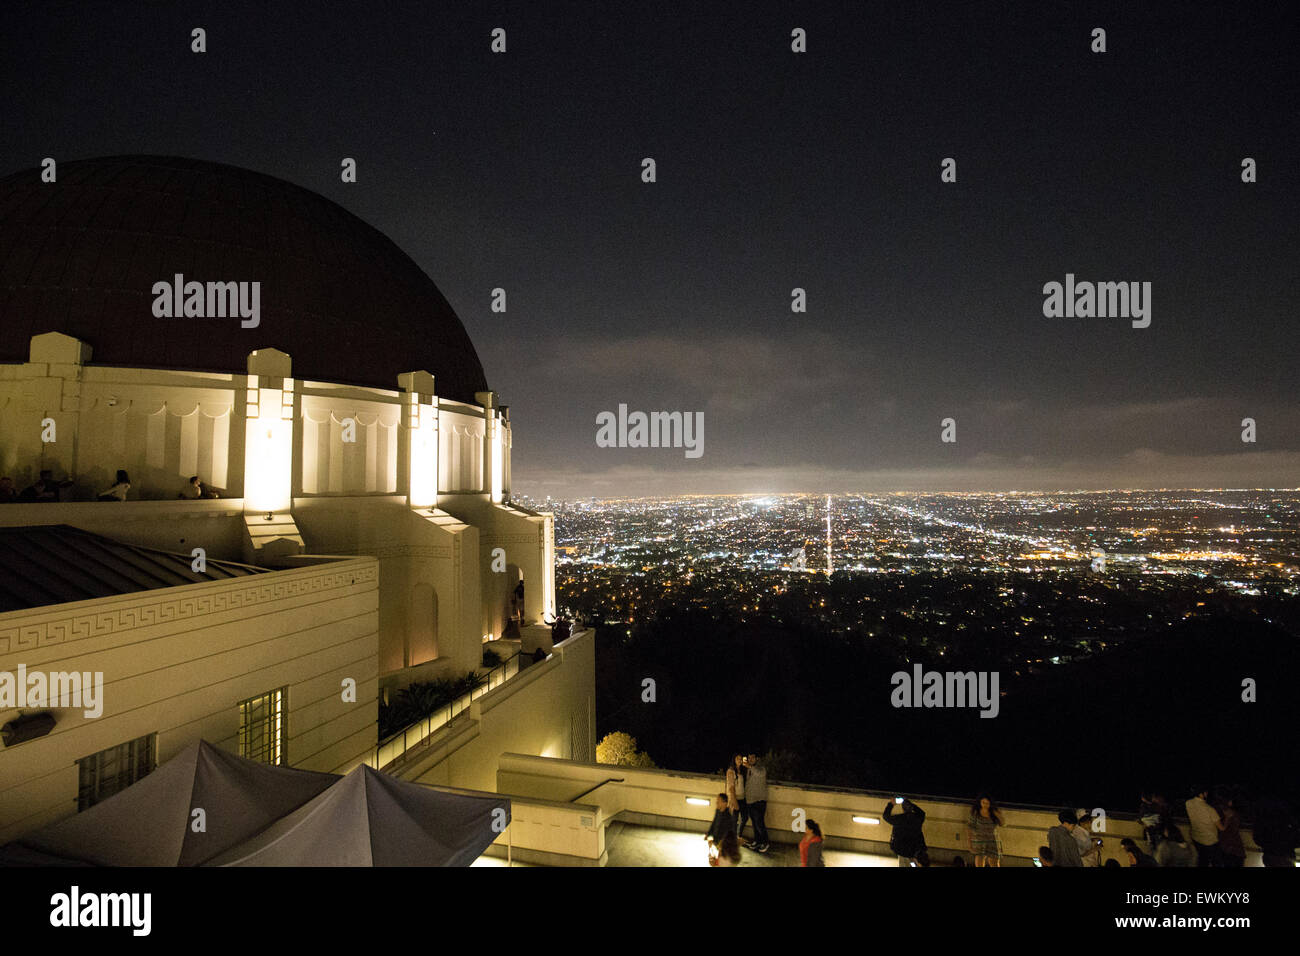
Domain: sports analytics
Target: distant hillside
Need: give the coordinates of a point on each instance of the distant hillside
(1165, 710)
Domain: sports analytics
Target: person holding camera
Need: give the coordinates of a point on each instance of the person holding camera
(907, 839)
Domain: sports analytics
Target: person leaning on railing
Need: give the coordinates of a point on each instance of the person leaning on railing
(194, 490)
(120, 487)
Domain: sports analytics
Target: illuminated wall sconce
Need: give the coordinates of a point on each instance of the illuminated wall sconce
(869, 821)
(697, 801)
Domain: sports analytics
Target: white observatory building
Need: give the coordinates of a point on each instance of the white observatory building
(355, 523)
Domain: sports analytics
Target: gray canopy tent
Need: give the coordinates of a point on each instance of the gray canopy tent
(152, 823)
(259, 815)
(371, 819)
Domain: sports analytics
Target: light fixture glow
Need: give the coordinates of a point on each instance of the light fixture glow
(697, 801)
(268, 455)
(870, 821)
(497, 462)
(424, 454)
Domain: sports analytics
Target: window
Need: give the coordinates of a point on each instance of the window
(262, 734)
(109, 771)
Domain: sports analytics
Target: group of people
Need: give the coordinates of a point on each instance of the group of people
(1213, 836)
(743, 801)
(1214, 830)
(47, 489)
(1070, 842)
(907, 837)
(44, 489)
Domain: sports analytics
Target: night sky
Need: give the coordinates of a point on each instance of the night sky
(775, 170)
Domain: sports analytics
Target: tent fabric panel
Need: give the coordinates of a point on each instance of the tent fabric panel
(240, 798)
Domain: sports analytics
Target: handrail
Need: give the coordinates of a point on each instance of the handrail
(400, 742)
(596, 787)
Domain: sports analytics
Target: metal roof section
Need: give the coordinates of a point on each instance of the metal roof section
(41, 565)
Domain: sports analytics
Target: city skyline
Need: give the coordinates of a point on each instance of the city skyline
(804, 492)
(1160, 603)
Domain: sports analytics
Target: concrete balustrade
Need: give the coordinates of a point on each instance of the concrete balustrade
(659, 798)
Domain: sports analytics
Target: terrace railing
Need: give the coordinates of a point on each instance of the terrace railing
(396, 747)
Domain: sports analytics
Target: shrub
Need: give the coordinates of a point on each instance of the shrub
(619, 749)
(419, 700)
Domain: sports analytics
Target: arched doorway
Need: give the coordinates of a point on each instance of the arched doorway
(513, 603)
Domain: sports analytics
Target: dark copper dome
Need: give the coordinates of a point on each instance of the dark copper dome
(81, 256)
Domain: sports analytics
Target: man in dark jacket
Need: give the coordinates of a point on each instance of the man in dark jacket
(907, 840)
(724, 822)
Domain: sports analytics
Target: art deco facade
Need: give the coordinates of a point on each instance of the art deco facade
(357, 455)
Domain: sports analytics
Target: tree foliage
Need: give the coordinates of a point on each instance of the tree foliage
(620, 750)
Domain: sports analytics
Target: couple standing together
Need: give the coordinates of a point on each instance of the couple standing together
(747, 798)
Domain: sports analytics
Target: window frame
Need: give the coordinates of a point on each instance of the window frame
(257, 742)
(134, 759)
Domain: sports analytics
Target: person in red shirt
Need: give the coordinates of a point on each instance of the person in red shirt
(810, 847)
